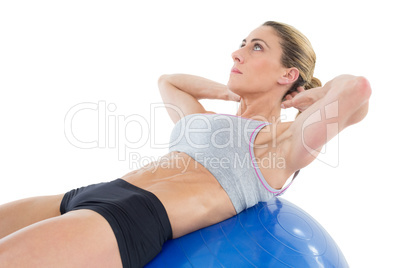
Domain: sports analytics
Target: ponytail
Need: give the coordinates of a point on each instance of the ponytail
(314, 82)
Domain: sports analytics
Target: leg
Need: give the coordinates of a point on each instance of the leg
(79, 238)
(19, 214)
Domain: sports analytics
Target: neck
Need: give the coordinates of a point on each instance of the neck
(260, 108)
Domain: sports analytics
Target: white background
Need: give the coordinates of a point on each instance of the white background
(58, 54)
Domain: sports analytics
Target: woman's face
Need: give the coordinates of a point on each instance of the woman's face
(257, 64)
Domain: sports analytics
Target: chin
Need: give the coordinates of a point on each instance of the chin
(235, 87)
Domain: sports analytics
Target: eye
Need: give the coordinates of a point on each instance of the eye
(257, 47)
(242, 45)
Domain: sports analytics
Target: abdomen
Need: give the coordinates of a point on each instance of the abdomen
(192, 197)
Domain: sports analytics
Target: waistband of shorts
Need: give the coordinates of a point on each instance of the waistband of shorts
(159, 207)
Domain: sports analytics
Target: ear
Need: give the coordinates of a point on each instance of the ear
(289, 76)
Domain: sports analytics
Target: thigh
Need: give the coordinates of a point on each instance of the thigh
(19, 214)
(137, 217)
(81, 238)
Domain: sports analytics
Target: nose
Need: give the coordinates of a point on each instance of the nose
(237, 56)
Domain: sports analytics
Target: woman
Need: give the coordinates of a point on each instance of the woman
(217, 166)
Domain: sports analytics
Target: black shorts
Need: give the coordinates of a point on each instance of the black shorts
(137, 217)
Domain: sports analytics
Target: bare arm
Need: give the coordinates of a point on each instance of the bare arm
(181, 94)
(338, 104)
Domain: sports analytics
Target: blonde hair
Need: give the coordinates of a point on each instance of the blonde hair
(296, 52)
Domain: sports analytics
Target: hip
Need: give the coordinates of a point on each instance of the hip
(136, 216)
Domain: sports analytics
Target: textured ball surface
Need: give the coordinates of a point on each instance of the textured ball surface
(272, 234)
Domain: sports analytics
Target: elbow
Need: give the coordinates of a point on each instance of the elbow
(363, 89)
(357, 91)
(163, 81)
(361, 94)
(356, 88)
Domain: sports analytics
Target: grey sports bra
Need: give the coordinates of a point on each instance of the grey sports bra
(224, 145)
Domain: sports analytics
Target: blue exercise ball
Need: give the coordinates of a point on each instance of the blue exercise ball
(272, 234)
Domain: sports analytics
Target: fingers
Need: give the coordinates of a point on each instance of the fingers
(289, 98)
(300, 89)
(294, 93)
(286, 104)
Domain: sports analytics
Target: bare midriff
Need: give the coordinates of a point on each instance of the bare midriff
(191, 195)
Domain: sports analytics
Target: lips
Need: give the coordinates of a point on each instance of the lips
(236, 71)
